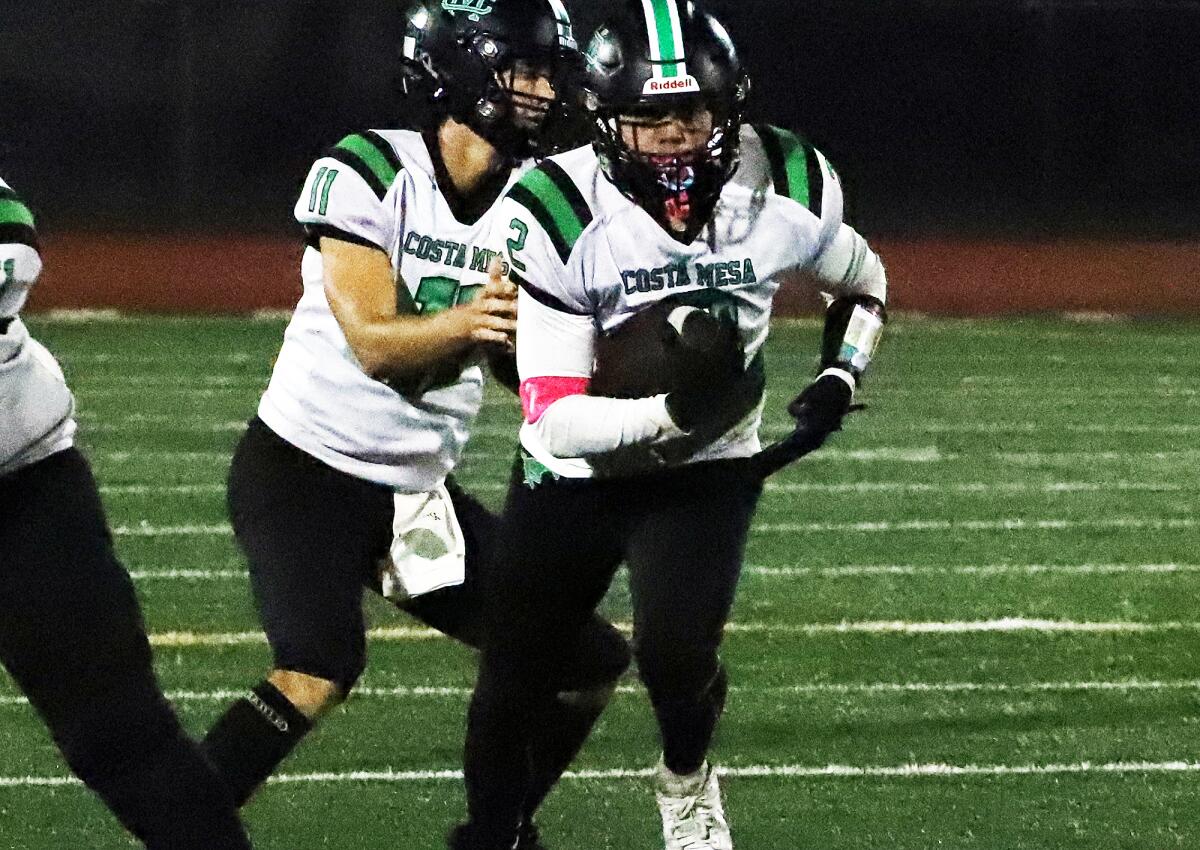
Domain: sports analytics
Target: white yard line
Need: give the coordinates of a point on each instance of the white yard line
(175, 360)
(148, 529)
(182, 639)
(1079, 458)
(865, 689)
(758, 771)
(139, 426)
(971, 525)
(982, 570)
(849, 571)
(160, 456)
(174, 424)
(93, 393)
(174, 381)
(161, 489)
(165, 456)
(999, 625)
(965, 488)
(993, 388)
(188, 575)
(983, 488)
(895, 454)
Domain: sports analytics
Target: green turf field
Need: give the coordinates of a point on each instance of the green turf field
(970, 622)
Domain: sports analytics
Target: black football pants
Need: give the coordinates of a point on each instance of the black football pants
(682, 534)
(314, 537)
(71, 635)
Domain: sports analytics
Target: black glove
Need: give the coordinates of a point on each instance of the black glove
(713, 389)
(711, 411)
(818, 411)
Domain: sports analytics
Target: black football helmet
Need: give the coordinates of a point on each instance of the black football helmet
(460, 56)
(653, 59)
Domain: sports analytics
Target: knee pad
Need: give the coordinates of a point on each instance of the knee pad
(591, 700)
(600, 659)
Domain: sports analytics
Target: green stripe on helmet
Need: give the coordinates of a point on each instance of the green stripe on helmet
(666, 38)
(369, 151)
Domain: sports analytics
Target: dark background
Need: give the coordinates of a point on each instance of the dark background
(1027, 118)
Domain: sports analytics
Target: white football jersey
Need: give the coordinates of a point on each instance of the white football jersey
(380, 189)
(580, 247)
(36, 408)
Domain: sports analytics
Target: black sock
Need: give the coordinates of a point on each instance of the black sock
(252, 737)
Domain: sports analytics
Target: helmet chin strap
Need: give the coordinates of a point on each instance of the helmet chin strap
(679, 211)
(676, 175)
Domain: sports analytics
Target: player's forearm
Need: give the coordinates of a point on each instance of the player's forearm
(583, 426)
(855, 279)
(404, 346)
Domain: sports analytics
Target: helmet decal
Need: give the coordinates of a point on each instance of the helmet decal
(475, 9)
(566, 36)
(667, 55)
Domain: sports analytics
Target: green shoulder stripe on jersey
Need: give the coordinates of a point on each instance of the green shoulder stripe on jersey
(12, 210)
(557, 204)
(372, 157)
(795, 168)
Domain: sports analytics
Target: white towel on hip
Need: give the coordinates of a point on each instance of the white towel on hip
(428, 551)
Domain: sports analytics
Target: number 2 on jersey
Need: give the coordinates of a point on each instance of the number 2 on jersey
(518, 243)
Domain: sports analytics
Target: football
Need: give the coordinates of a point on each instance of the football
(647, 353)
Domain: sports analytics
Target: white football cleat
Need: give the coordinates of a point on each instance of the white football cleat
(692, 814)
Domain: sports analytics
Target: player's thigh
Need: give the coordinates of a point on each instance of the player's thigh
(559, 545)
(312, 537)
(69, 617)
(596, 654)
(685, 555)
(458, 611)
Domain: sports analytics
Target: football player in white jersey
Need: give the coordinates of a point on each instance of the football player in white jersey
(71, 631)
(676, 202)
(342, 481)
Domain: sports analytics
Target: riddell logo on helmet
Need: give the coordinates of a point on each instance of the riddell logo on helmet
(671, 85)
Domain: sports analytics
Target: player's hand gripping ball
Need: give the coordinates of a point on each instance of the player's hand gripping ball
(685, 352)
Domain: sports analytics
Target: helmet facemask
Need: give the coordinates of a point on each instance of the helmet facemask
(678, 186)
(512, 114)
